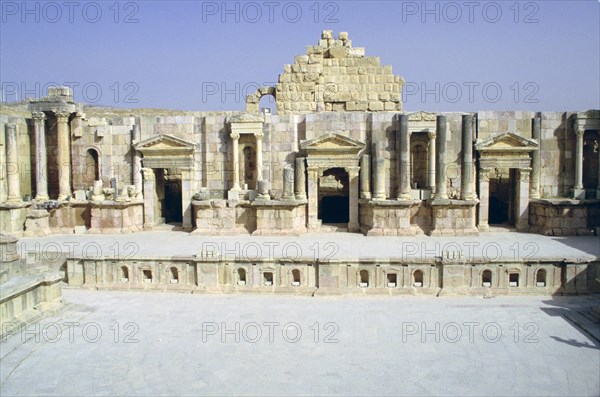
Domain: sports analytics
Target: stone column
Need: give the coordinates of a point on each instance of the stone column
(467, 188)
(403, 180)
(313, 197)
(300, 179)
(579, 193)
(353, 223)
(259, 156)
(440, 169)
(235, 137)
(431, 162)
(12, 167)
(378, 172)
(522, 205)
(63, 155)
(186, 198)
(365, 176)
(288, 183)
(136, 177)
(41, 159)
(484, 199)
(536, 163)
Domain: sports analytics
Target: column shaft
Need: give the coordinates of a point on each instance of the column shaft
(379, 172)
(41, 159)
(63, 155)
(365, 176)
(236, 161)
(579, 160)
(404, 160)
(12, 166)
(467, 189)
(259, 157)
(440, 169)
(522, 204)
(300, 179)
(536, 163)
(288, 183)
(431, 162)
(598, 185)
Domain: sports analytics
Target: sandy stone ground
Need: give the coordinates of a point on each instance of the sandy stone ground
(142, 343)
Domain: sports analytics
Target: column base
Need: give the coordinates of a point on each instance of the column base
(469, 197)
(42, 198)
(14, 200)
(367, 195)
(301, 196)
(522, 227)
(579, 194)
(404, 197)
(484, 227)
(353, 227)
(379, 197)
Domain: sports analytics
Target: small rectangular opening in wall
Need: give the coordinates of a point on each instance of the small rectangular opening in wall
(392, 280)
(513, 280)
(147, 276)
(268, 278)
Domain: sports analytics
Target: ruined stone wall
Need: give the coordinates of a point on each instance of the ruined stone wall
(333, 76)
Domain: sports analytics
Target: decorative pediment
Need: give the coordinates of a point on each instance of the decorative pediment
(166, 151)
(588, 120)
(332, 143)
(507, 142)
(164, 143)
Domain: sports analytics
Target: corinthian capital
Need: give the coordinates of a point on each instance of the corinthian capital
(38, 116)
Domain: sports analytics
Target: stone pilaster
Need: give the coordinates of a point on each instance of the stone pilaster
(41, 158)
(365, 176)
(12, 165)
(579, 192)
(536, 163)
(235, 138)
(522, 202)
(300, 186)
(467, 188)
(484, 199)
(136, 175)
(313, 197)
(404, 160)
(440, 169)
(288, 183)
(431, 162)
(63, 155)
(353, 225)
(378, 172)
(259, 156)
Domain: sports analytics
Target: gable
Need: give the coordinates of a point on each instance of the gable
(507, 142)
(332, 142)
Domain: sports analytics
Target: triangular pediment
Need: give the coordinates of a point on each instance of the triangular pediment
(332, 142)
(507, 141)
(164, 142)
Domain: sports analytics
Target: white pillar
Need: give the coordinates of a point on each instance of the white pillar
(536, 162)
(300, 179)
(522, 210)
(431, 162)
(41, 159)
(259, 156)
(403, 150)
(136, 177)
(440, 169)
(378, 172)
(353, 223)
(484, 199)
(236, 161)
(365, 176)
(12, 166)
(63, 155)
(467, 190)
(579, 192)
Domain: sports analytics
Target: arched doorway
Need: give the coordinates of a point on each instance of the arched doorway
(334, 196)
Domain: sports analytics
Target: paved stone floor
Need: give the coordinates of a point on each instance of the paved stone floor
(141, 343)
(486, 246)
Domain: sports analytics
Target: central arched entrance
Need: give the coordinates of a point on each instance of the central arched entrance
(334, 197)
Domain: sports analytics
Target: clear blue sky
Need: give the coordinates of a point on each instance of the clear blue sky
(205, 55)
